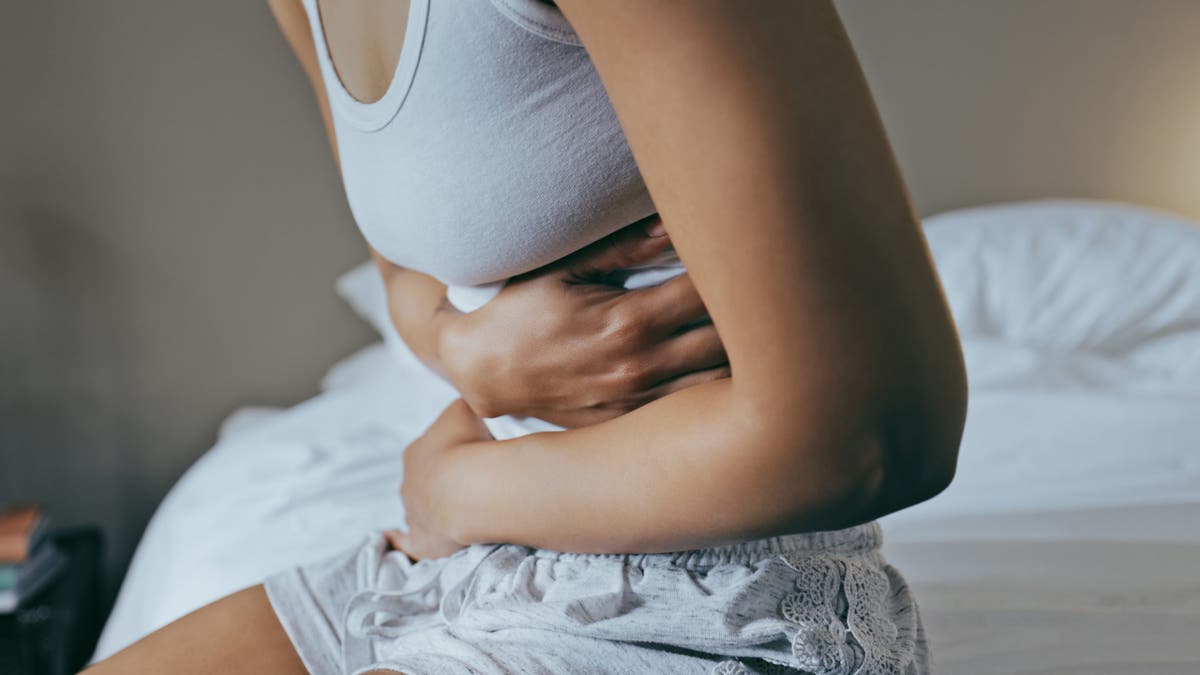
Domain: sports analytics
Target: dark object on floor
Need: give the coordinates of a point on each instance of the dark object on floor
(54, 632)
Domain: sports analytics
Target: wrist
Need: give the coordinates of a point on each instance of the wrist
(464, 484)
(448, 337)
(472, 363)
(498, 491)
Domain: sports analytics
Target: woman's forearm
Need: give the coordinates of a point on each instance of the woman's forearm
(697, 468)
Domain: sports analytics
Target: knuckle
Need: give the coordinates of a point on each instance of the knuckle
(611, 253)
(624, 323)
(605, 255)
(627, 252)
(630, 372)
(591, 399)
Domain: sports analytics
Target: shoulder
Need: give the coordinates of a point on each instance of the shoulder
(290, 15)
(292, 19)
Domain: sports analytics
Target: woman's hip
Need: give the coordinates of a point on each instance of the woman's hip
(822, 602)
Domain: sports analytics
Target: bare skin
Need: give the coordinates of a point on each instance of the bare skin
(365, 58)
(847, 394)
(236, 634)
(780, 192)
(571, 374)
(556, 346)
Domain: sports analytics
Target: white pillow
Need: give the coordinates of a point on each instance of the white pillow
(362, 287)
(1107, 279)
(1070, 273)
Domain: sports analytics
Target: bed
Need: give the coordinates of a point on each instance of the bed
(1068, 543)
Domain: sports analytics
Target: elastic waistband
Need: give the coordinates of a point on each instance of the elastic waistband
(863, 538)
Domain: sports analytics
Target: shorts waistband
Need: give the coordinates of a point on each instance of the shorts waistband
(863, 538)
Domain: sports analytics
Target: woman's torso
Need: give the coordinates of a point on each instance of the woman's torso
(494, 149)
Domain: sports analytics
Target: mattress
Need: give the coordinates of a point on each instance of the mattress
(1069, 541)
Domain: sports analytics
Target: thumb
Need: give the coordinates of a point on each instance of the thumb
(626, 247)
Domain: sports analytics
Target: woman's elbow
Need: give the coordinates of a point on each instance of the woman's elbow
(873, 458)
(905, 486)
(917, 455)
(880, 478)
(909, 460)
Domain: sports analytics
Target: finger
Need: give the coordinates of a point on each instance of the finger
(687, 380)
(393, 538)
(629, 246)
(697, 349)
(399, 541)
(668, 307)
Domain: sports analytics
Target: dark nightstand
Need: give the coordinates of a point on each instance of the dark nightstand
(55, 631)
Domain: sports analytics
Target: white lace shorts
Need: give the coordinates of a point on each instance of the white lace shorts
(823, 603)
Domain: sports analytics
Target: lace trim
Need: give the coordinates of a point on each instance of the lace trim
(735, 667)
(842, 615)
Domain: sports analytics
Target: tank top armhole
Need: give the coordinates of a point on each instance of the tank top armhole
(539, 18)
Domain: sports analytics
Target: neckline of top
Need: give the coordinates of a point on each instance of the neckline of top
(541, 19)
(373, 115)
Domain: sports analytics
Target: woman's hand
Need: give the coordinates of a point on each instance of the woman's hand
(426, 463)
(567, 344)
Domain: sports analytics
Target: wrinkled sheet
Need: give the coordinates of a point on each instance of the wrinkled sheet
(1068, 543)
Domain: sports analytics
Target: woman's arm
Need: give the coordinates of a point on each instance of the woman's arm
(767, 160)
(540, 347)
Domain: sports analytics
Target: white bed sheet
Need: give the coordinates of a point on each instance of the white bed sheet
(1014, 573)
(281, 487)
(1068, 543)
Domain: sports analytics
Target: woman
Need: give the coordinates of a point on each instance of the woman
(712, 524)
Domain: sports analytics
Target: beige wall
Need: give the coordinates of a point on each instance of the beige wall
(1012, 99)
(171, 222)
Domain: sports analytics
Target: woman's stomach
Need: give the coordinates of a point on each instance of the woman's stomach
(653, 272)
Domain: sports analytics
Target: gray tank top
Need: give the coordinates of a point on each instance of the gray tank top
(495, 149)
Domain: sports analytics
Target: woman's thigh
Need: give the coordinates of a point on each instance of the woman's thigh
(238, 634)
